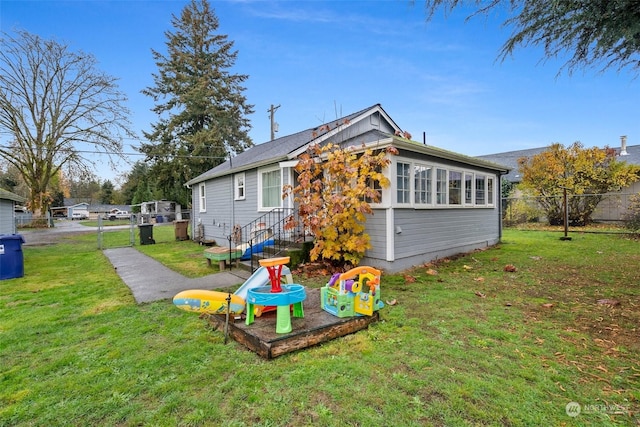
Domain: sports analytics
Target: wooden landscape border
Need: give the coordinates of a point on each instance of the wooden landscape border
(317, 326)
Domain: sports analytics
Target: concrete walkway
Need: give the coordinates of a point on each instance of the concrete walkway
(150, 281)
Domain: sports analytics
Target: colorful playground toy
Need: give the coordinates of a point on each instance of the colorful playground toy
(215, 302)
(278, 295)
(354, 293)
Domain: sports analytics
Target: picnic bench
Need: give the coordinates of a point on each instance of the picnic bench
(221, 254)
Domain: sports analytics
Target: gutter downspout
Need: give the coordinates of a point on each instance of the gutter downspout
(500, 207)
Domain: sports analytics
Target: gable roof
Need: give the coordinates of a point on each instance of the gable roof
(510, 158)
(8, 195)
(287, 147)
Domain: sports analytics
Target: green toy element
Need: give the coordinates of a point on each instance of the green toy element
(354, 293)
(283, 297)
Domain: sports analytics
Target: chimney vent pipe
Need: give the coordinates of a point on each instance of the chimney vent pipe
(623, 145)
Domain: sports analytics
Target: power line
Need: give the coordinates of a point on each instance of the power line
(140, 154)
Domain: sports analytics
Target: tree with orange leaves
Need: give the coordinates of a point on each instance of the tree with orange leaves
(586, 174)
(334, 192)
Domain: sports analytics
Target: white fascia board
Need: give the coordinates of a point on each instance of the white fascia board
(288, 164)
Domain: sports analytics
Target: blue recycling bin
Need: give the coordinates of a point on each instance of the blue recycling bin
(11, 258)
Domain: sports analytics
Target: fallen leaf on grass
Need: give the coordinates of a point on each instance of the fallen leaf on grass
(409, 279)
(479, 279)
(392, 302)
(607, 301)
(467, 267)
(547, 305)
(432, 272)
(510, 268)
(481, 295)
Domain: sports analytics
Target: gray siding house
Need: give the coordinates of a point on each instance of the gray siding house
(439, 203)
(8, 201)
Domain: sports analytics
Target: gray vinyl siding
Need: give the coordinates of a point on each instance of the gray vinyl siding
(402, 235)
(217, 218)
(223, 211)
(7, 223)
(354, 133)
(430, 234)
(376, 229)
(432, 230)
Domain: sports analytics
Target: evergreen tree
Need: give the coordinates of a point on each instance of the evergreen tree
(138, 177)
(106, 192)
(600, 33)
(202, 112)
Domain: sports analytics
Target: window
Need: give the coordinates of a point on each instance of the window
(403, 180)
(490, 191)
(203, 197)
(468, 188)
(480, 190)
(441, 186)
(422, 184)
(455, 188)
(270, 189)
(239, 187)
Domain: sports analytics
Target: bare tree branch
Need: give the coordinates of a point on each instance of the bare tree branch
(53, 101)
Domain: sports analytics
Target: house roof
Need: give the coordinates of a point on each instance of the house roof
(450, 155)
(510, 158)
(289, 147)
(281, 148)
(8, 195)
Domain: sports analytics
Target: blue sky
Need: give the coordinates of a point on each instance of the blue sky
(323, 59)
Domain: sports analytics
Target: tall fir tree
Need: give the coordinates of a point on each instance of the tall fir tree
(202, 111)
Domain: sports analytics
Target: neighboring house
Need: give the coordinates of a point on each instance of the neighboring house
(8, 202)
(610, 209)
(80, 209)
(439, 203)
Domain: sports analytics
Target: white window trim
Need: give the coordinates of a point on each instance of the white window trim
(486, 179)
(473, 189)
(490, 194)
(461, 189)
(202, 197)
(434, 175)
(430, 191)
(262, 171)
(409, 190)
(236, 186)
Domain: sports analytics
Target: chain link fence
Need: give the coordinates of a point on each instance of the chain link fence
(614, 209)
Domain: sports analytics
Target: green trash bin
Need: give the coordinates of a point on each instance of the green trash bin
(146, 234)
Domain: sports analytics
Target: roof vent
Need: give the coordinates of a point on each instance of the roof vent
(623, 145)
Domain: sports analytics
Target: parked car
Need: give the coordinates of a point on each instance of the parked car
(79, 215)
(118, 214)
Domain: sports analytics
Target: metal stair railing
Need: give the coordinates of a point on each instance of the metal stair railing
(277, 230)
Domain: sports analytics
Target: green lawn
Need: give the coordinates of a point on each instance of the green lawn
(502, 337)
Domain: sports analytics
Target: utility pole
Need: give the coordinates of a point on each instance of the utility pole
(272, 112)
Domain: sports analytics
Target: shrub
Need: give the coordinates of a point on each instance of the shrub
(632, 217)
